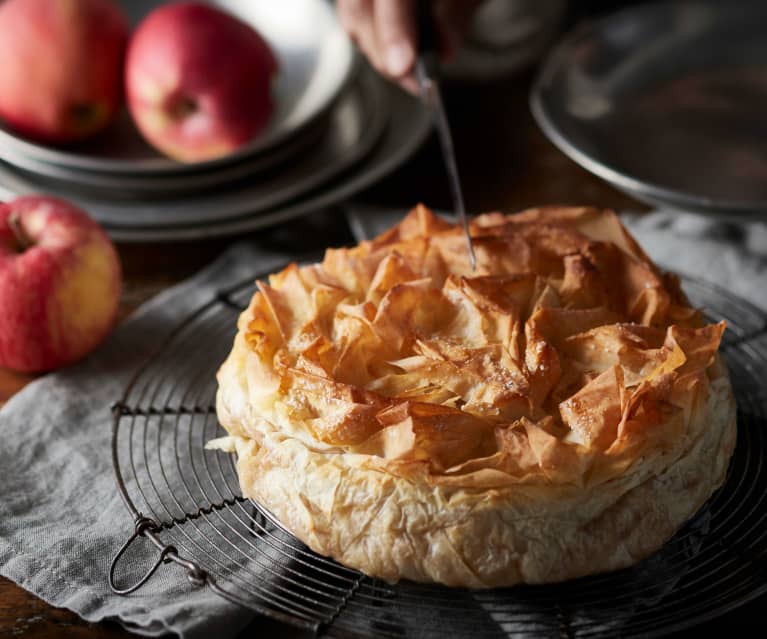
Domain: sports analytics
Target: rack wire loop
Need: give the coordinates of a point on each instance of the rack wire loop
(196, 575)
(141, 527)
(186, 501)
(148, 528)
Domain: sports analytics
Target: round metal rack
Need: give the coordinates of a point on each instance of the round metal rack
(186, 501)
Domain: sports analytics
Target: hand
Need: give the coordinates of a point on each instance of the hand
(385, 30)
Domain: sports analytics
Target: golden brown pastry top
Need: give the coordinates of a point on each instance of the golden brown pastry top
(566, 357)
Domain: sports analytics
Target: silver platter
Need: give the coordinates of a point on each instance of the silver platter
(667, 102)
(316, 62)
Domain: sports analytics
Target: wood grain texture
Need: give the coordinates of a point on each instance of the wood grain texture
(24, 615)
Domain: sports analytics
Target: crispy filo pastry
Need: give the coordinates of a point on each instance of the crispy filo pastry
(558, 412)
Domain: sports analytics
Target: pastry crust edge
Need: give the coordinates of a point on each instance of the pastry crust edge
(393, 527)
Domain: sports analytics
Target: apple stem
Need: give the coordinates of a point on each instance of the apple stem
(14, 222)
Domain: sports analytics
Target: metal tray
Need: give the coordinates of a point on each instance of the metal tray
(667, 102)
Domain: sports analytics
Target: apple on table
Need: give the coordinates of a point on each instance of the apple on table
(198, 81)
(60, 281)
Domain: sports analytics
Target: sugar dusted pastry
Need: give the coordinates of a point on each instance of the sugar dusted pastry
(560, 411)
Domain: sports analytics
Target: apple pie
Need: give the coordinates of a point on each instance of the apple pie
(557, 412)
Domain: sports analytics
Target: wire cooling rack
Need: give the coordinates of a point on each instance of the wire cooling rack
(186, 501)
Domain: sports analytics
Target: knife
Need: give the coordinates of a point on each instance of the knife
(427, 76)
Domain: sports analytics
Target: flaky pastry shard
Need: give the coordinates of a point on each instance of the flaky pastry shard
(558, 412)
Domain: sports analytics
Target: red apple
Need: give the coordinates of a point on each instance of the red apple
(198, 81)
(61, 70)
(59, 284)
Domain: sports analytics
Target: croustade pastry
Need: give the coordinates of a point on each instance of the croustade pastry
(558, 412)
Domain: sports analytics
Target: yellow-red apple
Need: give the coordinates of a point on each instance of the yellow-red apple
(198, 81)
(61, 66)
(59, 284)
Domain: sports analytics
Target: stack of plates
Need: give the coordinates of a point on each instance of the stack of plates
(337, 127)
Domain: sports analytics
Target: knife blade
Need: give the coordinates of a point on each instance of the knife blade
(427, 76)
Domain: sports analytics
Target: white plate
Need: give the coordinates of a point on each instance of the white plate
(316, 60)
(354, 126)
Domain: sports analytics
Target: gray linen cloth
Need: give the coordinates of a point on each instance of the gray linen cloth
(61, 518)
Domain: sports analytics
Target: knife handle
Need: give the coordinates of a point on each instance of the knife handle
(428, 36)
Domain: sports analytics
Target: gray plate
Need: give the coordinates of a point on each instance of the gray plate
(355, 124)
(316, 61)
(667, 102)
(165, 185)
(407, 128)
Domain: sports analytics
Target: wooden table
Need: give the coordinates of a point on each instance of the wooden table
(506, 164)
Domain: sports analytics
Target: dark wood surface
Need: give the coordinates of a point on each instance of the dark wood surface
(506, 164)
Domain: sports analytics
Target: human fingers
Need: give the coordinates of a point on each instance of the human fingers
(356, 17)
(396, 35)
